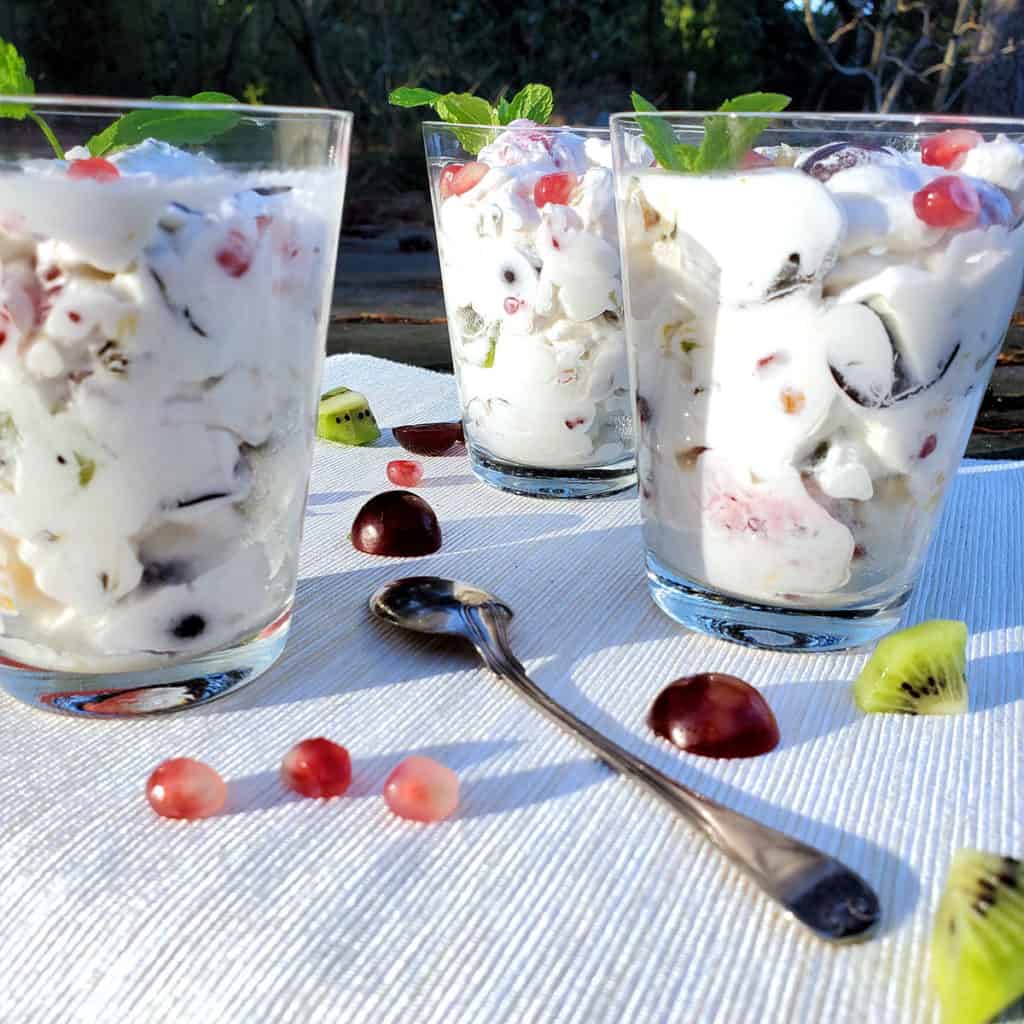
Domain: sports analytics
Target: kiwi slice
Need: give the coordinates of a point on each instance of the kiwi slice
(344, 416)
(977, 952)
(917, 671)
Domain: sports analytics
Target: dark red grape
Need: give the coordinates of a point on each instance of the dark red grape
(714, 715)
(838, 156)
(429, 438)
(398, 524)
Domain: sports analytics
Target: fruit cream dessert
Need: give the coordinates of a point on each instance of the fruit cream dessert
(813, 337)
(161, 326)
(529, 256)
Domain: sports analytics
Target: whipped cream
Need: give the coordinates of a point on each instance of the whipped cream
(534, 301)
(810, 356)
(160, 342)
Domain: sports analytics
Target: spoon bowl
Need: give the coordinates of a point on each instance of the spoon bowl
(429, 604)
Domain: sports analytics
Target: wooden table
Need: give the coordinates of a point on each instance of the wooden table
(388, 303)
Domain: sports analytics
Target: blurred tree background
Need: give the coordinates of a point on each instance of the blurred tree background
(899, 55)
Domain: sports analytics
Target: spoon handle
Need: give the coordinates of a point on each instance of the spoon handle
(818, 890)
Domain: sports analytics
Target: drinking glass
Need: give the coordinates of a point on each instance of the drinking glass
(811, 331)
(525, 218)
(163, 311)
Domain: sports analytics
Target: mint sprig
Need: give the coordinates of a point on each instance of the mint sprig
(726, 139)
(535, 102)
(178, 127)
(15, 81)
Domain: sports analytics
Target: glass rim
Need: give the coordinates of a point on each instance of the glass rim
(87, 104)
(579, 130)
(910, 120)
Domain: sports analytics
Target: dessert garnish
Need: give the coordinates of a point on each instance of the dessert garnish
(977, 948)
(397, 524)
(185, 788)
(714, 715)
(725, 142)
(429, 438)
(317, 768)
(917, 671)
(422, 789)
(344, 416)
(404, 472)
(178, 127)
(532, 103)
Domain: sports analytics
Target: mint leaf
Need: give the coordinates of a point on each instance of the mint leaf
(14, 81)
(729, 138)
(726, 139)
(755, 102)
(535, 102)
(407, 96)
(465, 108)
(504, 109)
(659, 136)
(178, 127)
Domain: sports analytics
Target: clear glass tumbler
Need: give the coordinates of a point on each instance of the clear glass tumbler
(525, 219)
(163, 311)
(811, 332)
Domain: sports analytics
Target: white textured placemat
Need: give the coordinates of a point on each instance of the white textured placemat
(559, 892)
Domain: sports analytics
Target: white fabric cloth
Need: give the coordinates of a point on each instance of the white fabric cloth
(559, 892)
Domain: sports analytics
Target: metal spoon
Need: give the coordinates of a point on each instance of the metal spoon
(816, 889)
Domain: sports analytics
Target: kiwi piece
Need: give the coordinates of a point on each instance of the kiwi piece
(977, 951)
(344, 417)
(917, 671)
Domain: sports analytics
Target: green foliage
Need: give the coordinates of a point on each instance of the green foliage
(14, 81)
(535, 102)
(178, 127)
(725, 141)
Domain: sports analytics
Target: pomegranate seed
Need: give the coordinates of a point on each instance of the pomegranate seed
(183, 788)
(752, 160)
(75, 317)
(577, 421)
(3, 337)
(512, 306)
(317, 768)
(947, 149)
(447, 177)
(95, 167)
(554, 188)
(947, 202)
(774, 359)
(404, 472)
(462, 178)
(52, 274)
(235, 256)
(420, 789)
(929, 445)
(859, 552)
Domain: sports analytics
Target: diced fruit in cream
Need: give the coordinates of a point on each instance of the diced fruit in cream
(162, 322)
(948, 149)
(533, 292)
(811, 343)
(947, 202)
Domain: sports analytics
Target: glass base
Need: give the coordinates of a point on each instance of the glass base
(150, 691)
(596, 482)
(765, 627)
